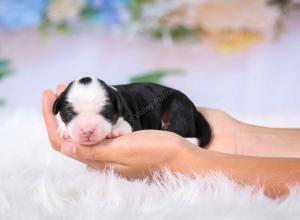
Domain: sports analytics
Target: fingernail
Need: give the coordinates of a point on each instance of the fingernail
(68, 149)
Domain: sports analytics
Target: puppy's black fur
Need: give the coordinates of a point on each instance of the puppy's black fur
(147, 105)
(62, 106)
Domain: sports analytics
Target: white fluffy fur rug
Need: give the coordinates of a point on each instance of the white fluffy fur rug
(38, 183)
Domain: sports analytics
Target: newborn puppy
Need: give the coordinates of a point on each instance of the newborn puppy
(89, 110)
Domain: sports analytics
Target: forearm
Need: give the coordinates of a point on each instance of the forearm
(262, 141)
(274, 174)
(234, 137)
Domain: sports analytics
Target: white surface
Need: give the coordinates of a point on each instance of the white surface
(261, 82)
(39, 183)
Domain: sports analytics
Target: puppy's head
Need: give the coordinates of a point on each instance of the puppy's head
(87, 110)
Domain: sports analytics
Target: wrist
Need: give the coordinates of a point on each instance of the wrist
(191, 160)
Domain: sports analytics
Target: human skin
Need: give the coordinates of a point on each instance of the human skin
(140, 153)
(235, 137)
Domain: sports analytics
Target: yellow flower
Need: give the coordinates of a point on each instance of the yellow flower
(236, 41)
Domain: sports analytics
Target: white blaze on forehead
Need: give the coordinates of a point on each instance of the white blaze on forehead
(87, 97)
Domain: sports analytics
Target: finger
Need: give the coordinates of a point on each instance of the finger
(71, 150)
(48, 100)
(50, 120)
(59, 89)
(107, 150)
(65, 149)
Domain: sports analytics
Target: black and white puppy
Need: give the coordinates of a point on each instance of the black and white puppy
(89, 110)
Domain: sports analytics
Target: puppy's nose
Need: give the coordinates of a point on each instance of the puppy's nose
(88, 132)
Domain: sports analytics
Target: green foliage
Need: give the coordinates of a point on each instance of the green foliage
(46, 27)
(154, 76)
(179, 33)
(63, 28)
(88, 12)
(2, 102)
(135, 7)
(184, 33)
(4, 68)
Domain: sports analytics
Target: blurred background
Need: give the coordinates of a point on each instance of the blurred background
(241, 56)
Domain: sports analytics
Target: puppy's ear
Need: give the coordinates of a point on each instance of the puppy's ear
(114, 96)
(119, 102)
(56, 105)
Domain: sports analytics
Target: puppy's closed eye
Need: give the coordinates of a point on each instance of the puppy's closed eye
(67, 113)
(108, 113)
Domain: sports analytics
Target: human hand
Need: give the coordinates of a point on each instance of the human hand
(49, 118)
(136, 154)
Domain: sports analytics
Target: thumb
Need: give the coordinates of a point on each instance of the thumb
(69, 149)
(79, 152)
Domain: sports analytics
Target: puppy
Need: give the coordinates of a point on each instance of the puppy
(89, 110)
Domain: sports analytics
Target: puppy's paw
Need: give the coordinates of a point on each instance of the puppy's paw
(62, 129)
(121, 128)
(63, 133)
(114, 133)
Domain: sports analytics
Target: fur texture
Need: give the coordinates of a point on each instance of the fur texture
(39, 183)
